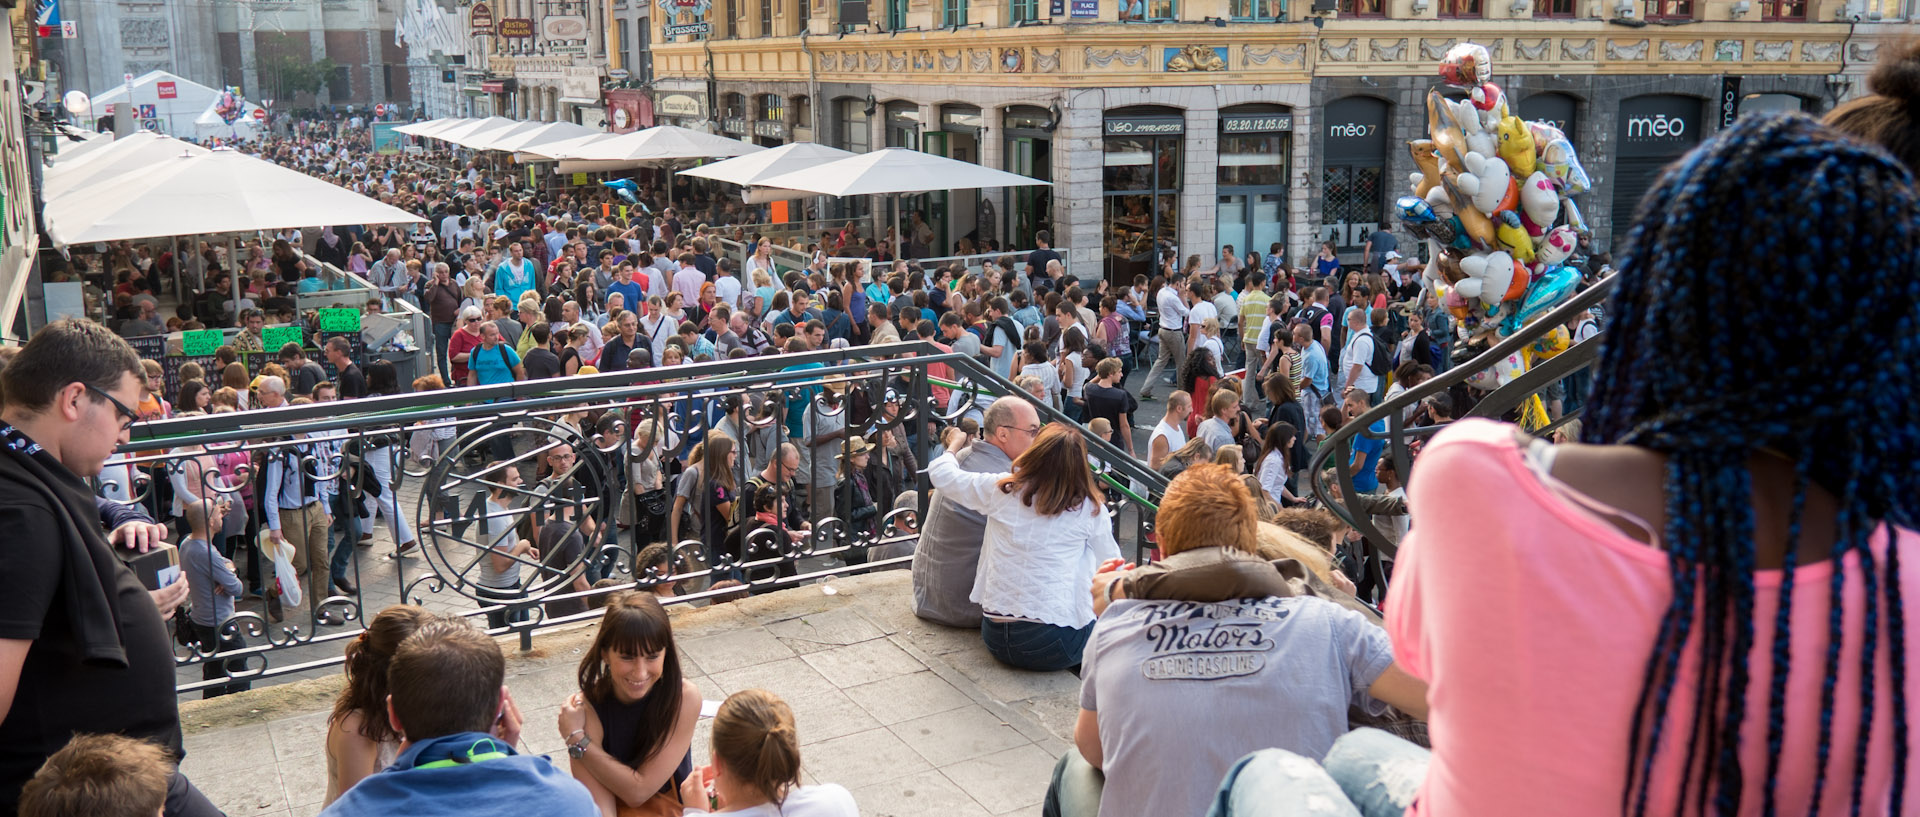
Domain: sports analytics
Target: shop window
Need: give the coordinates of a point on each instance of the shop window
(772, 108)
(1352, 183)
(1141, 180)
(854, 134)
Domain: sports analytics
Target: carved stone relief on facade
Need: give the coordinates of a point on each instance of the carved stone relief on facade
(1106, 57)
(1434, 49)
(1046, 62)
(1532, 51)
(1772, 50)
(979, 60)
(1627, 49)
(1388, 50)
(144, 33)
(1862, 52)
(897, 63)
(1576, 49)
(1820, 52)
(1681, 51)
(1729, 50)
(1284, 54)
(1339, 50)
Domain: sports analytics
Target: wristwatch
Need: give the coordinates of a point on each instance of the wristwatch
(578, 749)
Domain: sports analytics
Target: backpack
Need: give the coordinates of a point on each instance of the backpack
(1381, 362)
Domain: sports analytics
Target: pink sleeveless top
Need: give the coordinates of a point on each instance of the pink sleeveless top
(1531, 619)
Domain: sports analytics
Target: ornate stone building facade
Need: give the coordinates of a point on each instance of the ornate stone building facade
(1194, 124)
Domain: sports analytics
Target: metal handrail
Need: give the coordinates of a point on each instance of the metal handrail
(1340, 442)
(528, 395)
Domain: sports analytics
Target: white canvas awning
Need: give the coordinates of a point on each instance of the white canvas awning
(543, 134)
(138, 151)
(660, 144)
(431, 126)
(551, 151)
(895, 170)
(486, 138)
(220, 191)
(750, 169)
(471, 127)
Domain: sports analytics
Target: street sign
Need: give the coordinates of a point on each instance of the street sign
(482, 18)
(147, 111)
(518, 28)
(167, 89)
(260, 114)
(689, 28)
(69, 30)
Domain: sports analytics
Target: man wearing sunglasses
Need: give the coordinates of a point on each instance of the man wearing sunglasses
(83, 645)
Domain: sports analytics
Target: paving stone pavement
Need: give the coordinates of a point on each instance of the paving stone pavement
(913, 718)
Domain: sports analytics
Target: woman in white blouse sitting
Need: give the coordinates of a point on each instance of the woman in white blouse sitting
(1047, 531)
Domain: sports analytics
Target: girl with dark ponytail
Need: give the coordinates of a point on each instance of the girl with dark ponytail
(360, 738)
(756, 763)
(1701, 609)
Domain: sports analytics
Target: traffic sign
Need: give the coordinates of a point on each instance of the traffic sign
(260, 114)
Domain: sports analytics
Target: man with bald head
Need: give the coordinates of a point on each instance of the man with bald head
(948, 555)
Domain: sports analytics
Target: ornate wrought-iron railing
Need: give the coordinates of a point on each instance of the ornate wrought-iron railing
(580, 450)
(1377, 549)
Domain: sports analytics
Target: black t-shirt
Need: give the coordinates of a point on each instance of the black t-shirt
(1111, 403)
(306, 377)
(58, 693)
(353, 384)
(541, 363)
(1037, 261)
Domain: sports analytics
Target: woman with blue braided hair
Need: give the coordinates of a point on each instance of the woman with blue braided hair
(1701, 609)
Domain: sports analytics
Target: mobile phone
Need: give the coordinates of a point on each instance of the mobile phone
(158, 567)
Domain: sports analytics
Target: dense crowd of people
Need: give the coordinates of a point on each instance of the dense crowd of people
(1718, 623)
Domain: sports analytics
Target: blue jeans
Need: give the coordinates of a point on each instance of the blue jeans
(1368, 773)
(1038, 647)
(348, 525)
(442, 335)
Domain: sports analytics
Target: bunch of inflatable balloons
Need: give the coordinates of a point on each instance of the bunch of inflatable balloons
(230, 106)
(1492, 200)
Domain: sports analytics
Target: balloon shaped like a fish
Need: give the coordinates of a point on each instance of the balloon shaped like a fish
(1564, 168)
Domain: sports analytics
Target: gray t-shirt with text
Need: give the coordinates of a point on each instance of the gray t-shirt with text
(1199, 686)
